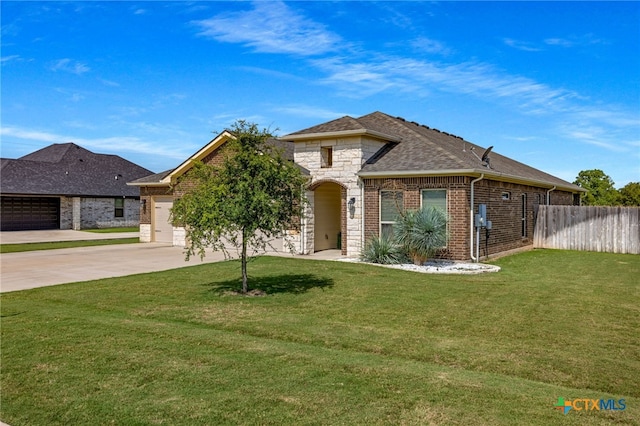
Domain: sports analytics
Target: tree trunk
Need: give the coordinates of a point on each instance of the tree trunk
(244, 263)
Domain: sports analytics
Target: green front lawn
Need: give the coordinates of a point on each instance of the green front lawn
(331, 343)
(15, 248)
(112, 230)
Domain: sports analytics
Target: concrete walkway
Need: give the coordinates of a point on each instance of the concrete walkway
(32, 269)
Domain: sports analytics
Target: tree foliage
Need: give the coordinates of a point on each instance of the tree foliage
(630, 194)
(599, 185)
(248, 200)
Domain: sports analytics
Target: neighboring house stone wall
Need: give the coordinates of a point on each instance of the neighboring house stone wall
(66, 213)
(100, 213)
(504, 210)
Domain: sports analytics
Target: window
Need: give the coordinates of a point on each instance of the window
(119, 207)
(435, 198)
(524, 215)
(391, 205)
(326, 154)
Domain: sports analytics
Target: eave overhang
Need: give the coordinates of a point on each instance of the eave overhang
(340, 134)
(488, 174)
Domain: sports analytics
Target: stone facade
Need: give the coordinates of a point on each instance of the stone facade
(348, 157)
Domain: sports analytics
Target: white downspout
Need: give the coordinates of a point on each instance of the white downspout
(362, 242)
(475, 259)
(549, 195)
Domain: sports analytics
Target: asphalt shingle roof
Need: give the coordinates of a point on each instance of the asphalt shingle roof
(418, 148)
(68, 169)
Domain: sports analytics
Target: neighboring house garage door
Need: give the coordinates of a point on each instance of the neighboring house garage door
(162, 229)
(28, 213)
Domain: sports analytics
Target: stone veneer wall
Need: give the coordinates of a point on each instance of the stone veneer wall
(100, 213)
(90, 212)
(349, 155)
(66, 213)
(505, 215)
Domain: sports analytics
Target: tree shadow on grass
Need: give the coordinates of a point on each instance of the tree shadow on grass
(273, 284)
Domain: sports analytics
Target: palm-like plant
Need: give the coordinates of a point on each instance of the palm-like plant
(422, 233)
(383, 250)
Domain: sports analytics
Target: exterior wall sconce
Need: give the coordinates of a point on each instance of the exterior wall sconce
(352, 206)
(143, 204)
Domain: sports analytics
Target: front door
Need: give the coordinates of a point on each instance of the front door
(326, 213)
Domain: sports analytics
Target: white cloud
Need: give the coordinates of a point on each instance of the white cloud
(301, 110)
(521, 45)
(69, 65)
(430, 46)
(9, 58)
(559, 42)
(271, 27)
(130, 144)
(571, 41)
(108, 82)
(420, 77)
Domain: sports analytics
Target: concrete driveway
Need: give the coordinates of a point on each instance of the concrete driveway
(21, 271)
(31, 269)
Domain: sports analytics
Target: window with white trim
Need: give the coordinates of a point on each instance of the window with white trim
(435, 198)
(391, 206)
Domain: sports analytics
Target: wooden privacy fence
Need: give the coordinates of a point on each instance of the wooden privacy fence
(588, 228)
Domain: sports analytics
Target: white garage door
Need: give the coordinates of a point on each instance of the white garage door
(162, 229)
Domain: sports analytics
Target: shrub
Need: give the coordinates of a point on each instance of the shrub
(383, 250)
(421, 233)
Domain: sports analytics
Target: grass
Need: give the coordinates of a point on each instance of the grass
(15, 248)
(331, 343)
(111, 230)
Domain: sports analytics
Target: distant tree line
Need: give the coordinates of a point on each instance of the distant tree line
(602, 191)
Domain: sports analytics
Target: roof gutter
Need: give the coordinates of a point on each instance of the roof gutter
(475, 259)
(504, 177)
(148, 184)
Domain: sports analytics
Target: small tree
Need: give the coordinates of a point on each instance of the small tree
(422, 233)
(251, 198)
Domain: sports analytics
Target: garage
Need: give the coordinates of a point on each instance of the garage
(162, 230)
(29, 213)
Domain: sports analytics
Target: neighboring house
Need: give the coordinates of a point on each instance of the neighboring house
(65, 186)
(364, 170)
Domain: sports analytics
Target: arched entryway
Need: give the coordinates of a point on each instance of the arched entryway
(329, 216)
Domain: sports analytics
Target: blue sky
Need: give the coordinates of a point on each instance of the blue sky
(555, 85)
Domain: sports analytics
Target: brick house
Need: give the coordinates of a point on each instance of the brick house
(64, 186)
(364, 170)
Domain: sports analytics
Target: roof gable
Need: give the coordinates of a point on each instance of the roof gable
(214, 144)
(68, 169)
(170, 177)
